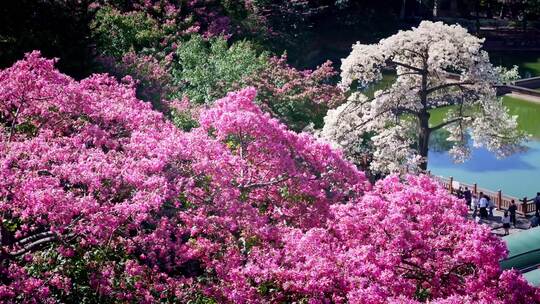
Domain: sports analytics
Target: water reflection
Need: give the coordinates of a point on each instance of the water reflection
(517, 175)
(483, 161)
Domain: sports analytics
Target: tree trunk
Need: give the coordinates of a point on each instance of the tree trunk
(454, 8)
(477, 11)
(423, 139)
(423, 117)
(436, 8)
(402, 12)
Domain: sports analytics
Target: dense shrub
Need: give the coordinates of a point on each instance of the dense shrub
(206, 70)
(153, 78)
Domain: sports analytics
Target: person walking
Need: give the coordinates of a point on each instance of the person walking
(476, 205)
(506, 223)
(483, 206)
(537, 203)
(535, 220)
(468, 197)
(512, 209)
(491, 206)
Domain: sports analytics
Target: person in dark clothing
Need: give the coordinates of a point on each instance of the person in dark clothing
(513, 209)
(537, 203)
(468, 197)
(535, 220)
(459, 193)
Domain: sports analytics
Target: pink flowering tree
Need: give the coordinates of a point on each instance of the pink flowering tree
(403, 242)
(102, 199)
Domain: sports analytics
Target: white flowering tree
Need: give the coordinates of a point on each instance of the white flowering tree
(437, 66)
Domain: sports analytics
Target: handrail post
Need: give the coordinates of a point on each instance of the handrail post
(451, 185)
(475, 191)
(499, 199)
(524, 206)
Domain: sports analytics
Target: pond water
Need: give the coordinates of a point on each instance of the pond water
(517, 175)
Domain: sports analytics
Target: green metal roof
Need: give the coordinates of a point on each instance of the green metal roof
(524, 249)
(533, 277)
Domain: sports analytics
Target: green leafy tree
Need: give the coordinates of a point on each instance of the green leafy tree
(117, 33)
(207, 70)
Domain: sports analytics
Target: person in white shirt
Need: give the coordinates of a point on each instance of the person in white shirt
(475, 205)
(506, 223)
(483, 205)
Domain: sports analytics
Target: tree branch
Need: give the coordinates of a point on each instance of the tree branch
(13, 123)
(410, 67)
(263, 184)
(35, 237)
(32, 245)
(451, 121)
(447, 85)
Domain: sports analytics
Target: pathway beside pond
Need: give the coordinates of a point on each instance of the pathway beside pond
(522, 223)
(526, 97)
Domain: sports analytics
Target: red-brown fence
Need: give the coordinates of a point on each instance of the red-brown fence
(502, 201)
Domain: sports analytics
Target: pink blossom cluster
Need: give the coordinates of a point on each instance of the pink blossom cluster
(405, 241)
(102, 197)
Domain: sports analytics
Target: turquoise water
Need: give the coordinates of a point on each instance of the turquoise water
(517, 175)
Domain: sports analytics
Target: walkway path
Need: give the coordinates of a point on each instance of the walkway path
(522, 223)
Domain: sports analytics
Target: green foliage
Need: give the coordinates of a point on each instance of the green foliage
(183, 120)
(11, 225)
(202, 299)
(207, 70)
(117, 33)
(299, 114)
(77, 270)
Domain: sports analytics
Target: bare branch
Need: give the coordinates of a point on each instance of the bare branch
(263, 184)
(35, 237)
(451, 121)
(410, 67)
(31, 246)
(448, 85)
(13, 123)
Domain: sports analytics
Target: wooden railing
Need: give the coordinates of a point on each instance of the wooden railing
(502, 201)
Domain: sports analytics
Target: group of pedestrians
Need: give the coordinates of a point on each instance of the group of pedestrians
(483, 206)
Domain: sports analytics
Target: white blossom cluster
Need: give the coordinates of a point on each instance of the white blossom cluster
(507, 75)
(394, 152)
(437, 66)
